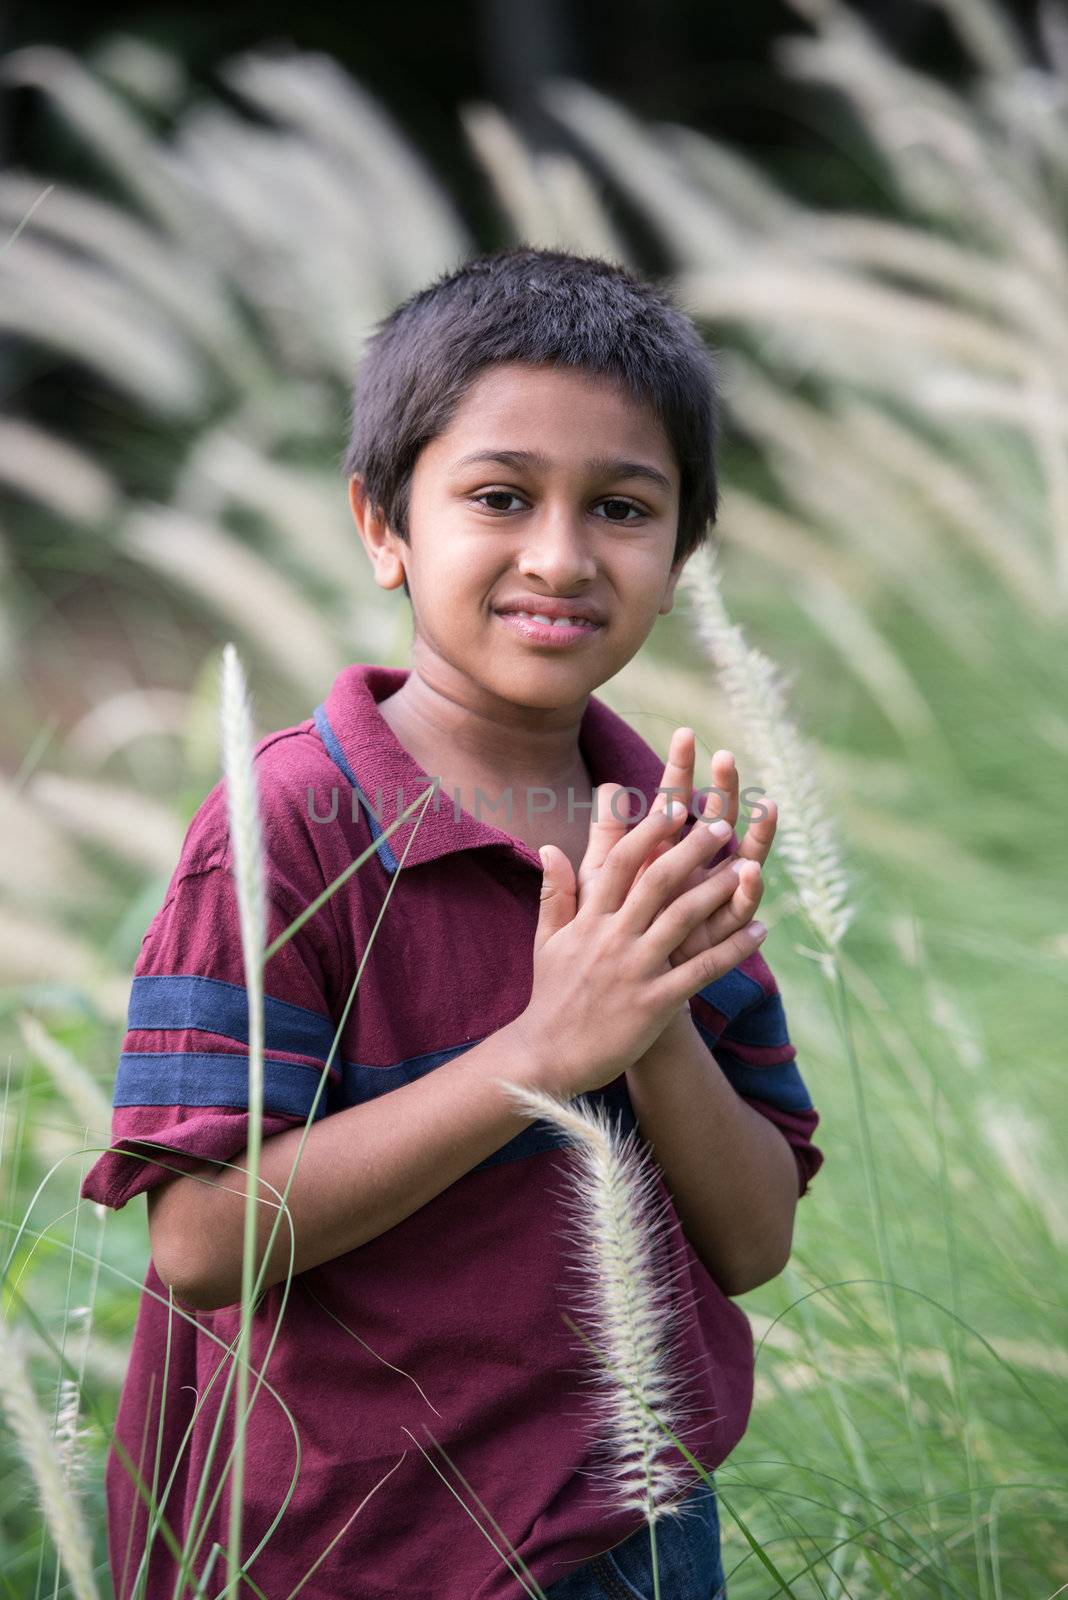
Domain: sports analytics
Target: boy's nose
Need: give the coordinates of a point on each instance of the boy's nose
(557, 550)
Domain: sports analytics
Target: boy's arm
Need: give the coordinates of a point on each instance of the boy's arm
(732, 1175)
(181, 1097)
(718, 1094)
(363, 1169)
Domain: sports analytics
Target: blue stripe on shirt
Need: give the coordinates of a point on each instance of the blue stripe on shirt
(202, 1078)
(762, 1025)
(171, 1003)
(332, 745)
(362, 1083)
(195, 1078)
(781, 1086)
(730, 995)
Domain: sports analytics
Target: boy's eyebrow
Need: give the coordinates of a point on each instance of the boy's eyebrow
(602, 466)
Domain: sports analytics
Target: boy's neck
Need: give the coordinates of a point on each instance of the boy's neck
(488, 744)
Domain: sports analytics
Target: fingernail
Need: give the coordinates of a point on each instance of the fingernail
(720, 829)
(673, 809)
(757, 929)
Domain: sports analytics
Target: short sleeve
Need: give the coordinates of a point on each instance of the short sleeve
(182, 1078)
(741, 1018)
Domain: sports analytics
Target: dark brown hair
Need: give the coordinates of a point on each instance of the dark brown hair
(540, 306)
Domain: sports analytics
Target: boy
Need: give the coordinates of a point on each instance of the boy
(429, 1273)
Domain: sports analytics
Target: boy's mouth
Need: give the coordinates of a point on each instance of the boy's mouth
(540, 628)
(552, 607)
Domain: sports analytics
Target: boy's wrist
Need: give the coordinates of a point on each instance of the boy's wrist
(551, 1066)
(537, 1061)
(540, 1062)
(666, 1047)
(670, 1036)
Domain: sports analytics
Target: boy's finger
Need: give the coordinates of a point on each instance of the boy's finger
(610, 883)
(654, 855)
(708, 909)
(722, 799)
(677, 781)
(760, 834)
(666, 877)
(692, 976)
(606, 830)
(675, 784)
(559, 900)
(735, 910)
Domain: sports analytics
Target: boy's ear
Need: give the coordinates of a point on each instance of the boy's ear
(669, 592)
(378, 538)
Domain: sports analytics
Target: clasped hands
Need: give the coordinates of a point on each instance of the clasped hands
(740, 874)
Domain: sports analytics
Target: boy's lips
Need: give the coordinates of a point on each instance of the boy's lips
(531, 603)
(553, 634)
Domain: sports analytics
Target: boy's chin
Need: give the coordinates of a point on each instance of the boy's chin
(543, 684)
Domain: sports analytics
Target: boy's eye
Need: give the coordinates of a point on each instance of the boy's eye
(611, 500)
(625, 505)
(496, 494)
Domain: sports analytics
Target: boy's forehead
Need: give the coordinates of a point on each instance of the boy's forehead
(509, 401)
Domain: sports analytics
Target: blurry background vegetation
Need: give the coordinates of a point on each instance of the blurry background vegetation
(865, 209)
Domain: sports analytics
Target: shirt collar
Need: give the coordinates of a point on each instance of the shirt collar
(364, 747)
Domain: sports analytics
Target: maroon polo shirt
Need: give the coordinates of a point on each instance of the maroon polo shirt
(450, 1320)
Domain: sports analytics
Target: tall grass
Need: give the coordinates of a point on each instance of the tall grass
(894, 531)
(47, 1461)
(246, 840)
(626, 1290)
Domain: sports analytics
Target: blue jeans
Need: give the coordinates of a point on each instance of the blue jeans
(687, 1558)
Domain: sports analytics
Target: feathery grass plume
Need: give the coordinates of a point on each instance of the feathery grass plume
(307, 518)
(184, 287)
(1021, 1142)
(127, 342)
(23, 220)
(353, 137)
(54, 473)
(61, 1509)
(70, 1438)
(239, 583)
(246, 840)
(34, 953)
(549, 199)
(822, 463)
(76, 1086)
(121, 719)
(618, 1231)
(755, 690)
(38, 862)
(131, 825)
(809, 848)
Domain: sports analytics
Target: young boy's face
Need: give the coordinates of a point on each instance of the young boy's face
(578, 524)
